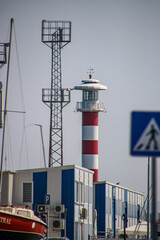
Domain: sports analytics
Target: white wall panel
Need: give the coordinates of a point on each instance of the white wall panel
(54, 186)
(76, 212)
(110, 191)
(90, 214)
(19, 178)
(86, 179)
(76, 174)
(106, 190)
(90, 179)
(81, 173)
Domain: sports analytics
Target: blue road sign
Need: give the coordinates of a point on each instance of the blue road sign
(145, 134)
(47, 199)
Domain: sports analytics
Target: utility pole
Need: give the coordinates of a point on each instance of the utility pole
(56, 35)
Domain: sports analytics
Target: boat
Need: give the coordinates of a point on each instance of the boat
(17, 223)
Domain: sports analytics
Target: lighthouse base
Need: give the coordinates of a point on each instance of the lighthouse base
(95, 176)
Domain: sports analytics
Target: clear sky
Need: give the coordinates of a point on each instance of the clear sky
(120, 40)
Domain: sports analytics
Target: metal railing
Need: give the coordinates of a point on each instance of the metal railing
(90, 106)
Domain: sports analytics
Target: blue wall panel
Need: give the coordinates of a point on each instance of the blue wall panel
(100, 202)
(68, 199)
(39, 188)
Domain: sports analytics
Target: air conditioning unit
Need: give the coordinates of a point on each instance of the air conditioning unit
(84, 213)
(58, 209)
(58, 224)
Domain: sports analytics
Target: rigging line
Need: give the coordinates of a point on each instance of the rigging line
(24, 138)
(25, 135)
(21, 148)
(20, 75)
(9, 151)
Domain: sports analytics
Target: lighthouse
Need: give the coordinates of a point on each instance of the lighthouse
(90, 107)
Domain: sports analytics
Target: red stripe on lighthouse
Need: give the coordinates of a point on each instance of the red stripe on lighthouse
(90, 119)
(90, 147)
(95, 176)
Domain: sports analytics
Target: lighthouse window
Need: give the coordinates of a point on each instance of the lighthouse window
(90, 95)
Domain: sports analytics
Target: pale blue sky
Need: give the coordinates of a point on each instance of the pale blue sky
(120, 39)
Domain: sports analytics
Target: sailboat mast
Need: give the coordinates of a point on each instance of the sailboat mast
(5, 105)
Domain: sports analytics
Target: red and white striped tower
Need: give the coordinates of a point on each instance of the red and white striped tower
(90, 106)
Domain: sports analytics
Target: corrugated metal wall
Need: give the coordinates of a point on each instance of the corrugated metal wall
(111, 202)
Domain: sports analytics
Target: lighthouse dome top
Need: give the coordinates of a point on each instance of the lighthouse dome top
(90, 80)
(90, 85)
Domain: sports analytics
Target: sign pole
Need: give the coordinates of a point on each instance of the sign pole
(145, 141)
(148, 199)
(154, 200)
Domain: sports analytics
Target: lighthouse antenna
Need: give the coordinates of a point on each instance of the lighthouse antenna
(90, 72)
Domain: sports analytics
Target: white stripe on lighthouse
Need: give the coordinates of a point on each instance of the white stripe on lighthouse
(90, 161)
(89, 132)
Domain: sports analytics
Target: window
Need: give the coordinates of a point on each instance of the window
(118, 207)
(24, 213)
(76, 191)
(79, 192)
(108, 205)
(124, 207)
(27, 192)
(86, 193)
(90, 95)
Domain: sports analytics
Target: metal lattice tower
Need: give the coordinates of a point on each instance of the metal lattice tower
(3, 54)
(56, 34)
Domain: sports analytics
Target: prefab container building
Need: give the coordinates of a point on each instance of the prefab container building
(62, 195)
(112, 202)
(66, 198)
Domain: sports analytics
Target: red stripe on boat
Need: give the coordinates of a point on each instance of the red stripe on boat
(17, 223)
